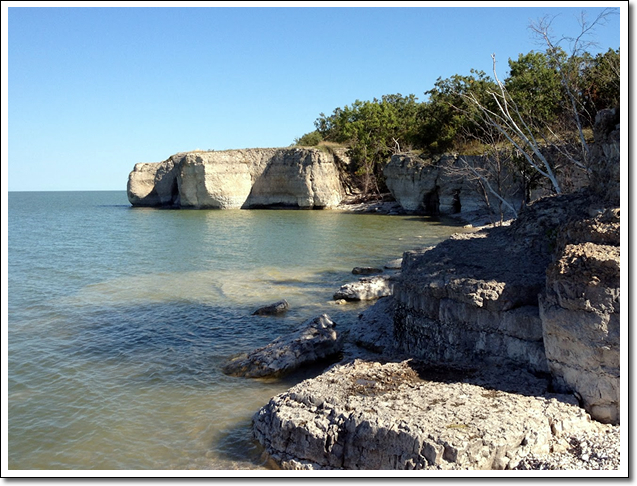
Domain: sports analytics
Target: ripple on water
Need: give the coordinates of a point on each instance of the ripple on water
(118, 326)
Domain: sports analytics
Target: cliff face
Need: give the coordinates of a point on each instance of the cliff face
(251, 178)
(542, 294)
(441, 186)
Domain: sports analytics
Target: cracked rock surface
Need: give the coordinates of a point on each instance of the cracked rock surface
(407, 415)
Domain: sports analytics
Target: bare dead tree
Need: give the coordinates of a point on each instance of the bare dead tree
(516, 129)
(577, 46)
(529, 136)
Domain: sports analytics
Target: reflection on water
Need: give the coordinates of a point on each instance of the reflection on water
(120, 318)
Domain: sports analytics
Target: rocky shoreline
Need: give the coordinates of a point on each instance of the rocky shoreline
(379, 408)
(497, 349)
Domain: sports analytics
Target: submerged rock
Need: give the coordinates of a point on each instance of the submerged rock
(314, 340)
(275, 309)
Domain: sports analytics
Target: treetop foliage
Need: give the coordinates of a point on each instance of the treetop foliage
(544, 87)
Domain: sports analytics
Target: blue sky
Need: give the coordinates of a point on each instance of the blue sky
(92, 91)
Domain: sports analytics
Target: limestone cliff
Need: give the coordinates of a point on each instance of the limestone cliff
(441, 185)
(542, 293)
(250, 178)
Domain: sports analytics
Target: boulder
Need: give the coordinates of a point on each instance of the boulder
(275, 309)
(367, 288)
(366, 270)
(314, 340)
(403, 415)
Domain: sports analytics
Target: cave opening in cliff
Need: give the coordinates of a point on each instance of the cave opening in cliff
(431, 202)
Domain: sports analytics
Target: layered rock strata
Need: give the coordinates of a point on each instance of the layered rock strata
(472, 299)
(251, 178)
(542, 294)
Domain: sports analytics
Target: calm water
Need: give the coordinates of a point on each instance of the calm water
(120, 318)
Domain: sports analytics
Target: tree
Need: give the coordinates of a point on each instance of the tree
(569, 66)
(373, 130)
(447, 117)
(529, 133)
(535, 86)
(311, 139)
(600, 86)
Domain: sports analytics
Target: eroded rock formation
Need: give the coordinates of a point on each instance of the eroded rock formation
(437, 186)
(250, 178)
(511, 309)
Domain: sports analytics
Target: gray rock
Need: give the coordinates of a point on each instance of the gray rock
(580, 314)
(366, 270)
(436, 186)
(367, 288)
(472, 299)
(275, 309)
(368, 415)
(314, 340)
(374, 329)
(394, 264)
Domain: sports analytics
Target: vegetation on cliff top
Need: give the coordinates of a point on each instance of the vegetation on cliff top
(548, 98)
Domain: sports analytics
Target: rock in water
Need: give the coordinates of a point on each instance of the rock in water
(366, 270)
(275, 309)
(394, 264)
(314, 340)
(367, 288)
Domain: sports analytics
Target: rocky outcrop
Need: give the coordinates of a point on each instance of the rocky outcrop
(472, 299)
(494, 319)
(315, 340)
(437, 186)
(542, 294)
(251, 178)
(154, 184)
(403, 415)
(580, 307)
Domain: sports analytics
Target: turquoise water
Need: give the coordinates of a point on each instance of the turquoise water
(120, 318)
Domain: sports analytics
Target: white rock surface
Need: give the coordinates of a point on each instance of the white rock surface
(251, 178)
(367, 288)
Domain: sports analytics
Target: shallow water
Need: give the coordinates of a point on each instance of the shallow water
(120, 318)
